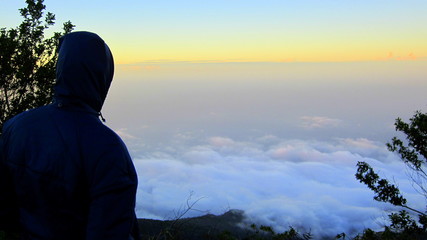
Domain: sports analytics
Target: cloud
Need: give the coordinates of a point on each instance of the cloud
(124, 134)
(305, 184)
(410, 56)
(221, 141)
(360, 143)
(405, 57)
(311, 122)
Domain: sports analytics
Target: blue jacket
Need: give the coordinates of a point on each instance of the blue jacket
(64, 174)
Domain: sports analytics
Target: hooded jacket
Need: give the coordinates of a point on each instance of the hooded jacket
(65, 175)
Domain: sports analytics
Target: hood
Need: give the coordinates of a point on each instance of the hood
(84, 70)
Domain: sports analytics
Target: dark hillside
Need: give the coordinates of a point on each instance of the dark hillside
(204, 227)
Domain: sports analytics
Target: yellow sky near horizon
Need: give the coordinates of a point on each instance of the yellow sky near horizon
(247, 31)
(308, 47)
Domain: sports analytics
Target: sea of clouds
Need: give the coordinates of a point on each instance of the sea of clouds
(279, 141)
(309, 185)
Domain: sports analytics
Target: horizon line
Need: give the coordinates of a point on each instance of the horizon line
(171, 61)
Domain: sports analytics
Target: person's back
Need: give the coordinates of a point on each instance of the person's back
(71, 176)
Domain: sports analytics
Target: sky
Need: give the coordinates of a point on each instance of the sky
(247, 30)
(263, 106)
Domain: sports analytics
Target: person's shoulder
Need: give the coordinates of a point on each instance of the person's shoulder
(99, 135)
(107, 149)
(28, 116)
(113, 136)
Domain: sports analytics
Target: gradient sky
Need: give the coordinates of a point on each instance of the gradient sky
(247, 30)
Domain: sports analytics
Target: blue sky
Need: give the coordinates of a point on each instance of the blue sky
(140, 31)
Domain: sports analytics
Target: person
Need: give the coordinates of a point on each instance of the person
(65, 175)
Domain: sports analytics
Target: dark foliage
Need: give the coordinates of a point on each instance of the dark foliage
(413, 152)
(27, 61)
(228, 226)
(384, 191)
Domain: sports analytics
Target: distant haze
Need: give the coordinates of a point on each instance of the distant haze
(277, 140)
(250, 100)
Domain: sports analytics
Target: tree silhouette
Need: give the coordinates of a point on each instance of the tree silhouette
(413, 153)
(27, 61)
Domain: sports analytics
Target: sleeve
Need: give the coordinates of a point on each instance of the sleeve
(113, 185)
(9, 217)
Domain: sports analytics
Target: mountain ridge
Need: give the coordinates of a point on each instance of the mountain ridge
(208, 226)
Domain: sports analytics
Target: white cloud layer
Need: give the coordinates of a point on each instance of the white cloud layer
(168, 116)
(310, 122)
(305, 184)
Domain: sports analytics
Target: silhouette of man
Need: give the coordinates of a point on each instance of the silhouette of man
(64, 174)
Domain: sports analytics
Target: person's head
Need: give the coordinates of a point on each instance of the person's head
(84, 70)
